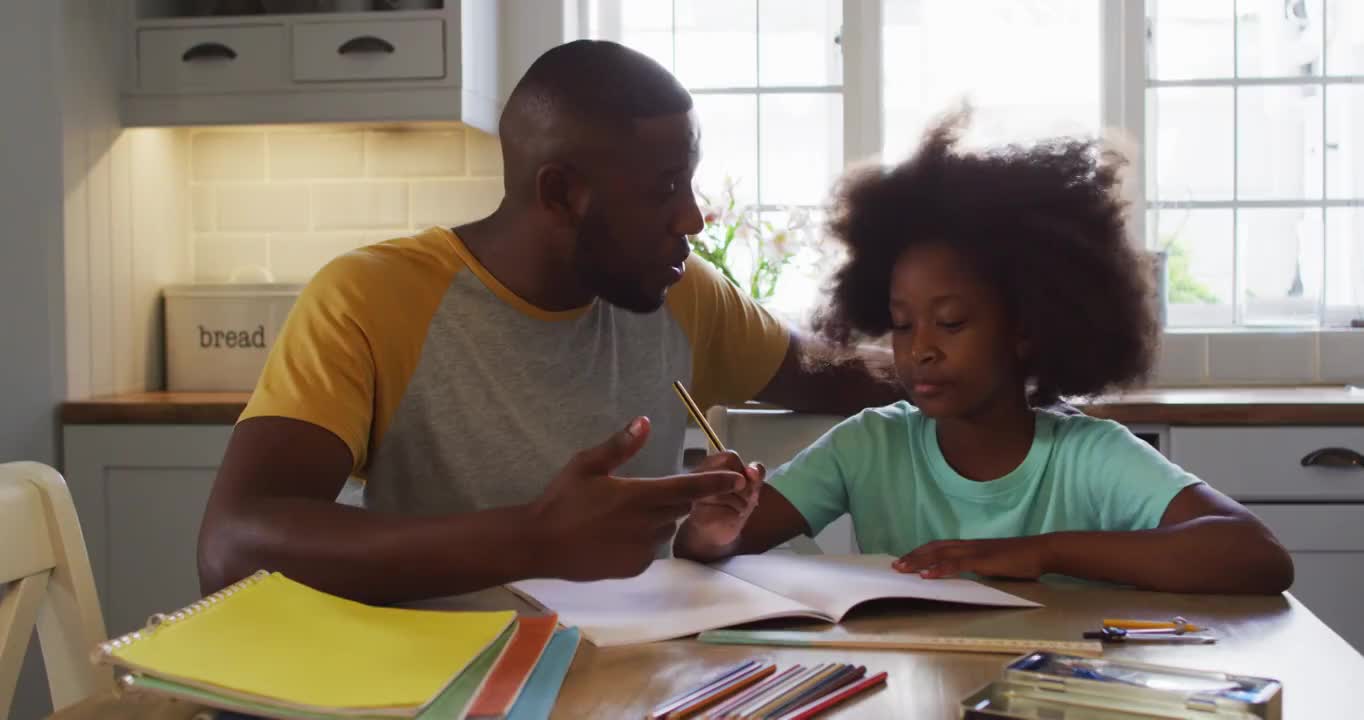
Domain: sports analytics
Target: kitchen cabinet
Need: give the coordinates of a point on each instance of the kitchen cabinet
(451, 60)
(1303, 482)
(140, 492)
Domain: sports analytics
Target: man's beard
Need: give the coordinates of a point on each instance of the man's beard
(590, 261)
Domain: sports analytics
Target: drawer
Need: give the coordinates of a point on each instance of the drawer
(369, 50)
(1315, 528)
(1266, 463)
(211, 59)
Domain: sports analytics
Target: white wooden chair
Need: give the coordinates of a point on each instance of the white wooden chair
(45, 581)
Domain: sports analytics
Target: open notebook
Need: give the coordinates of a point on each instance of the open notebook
(269, 642)
(676, 598)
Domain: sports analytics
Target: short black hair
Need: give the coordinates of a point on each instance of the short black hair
(600, 80)
(1045, 224)
(579, 96)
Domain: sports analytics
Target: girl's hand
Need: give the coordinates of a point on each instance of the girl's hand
(716, 521)
(1024, 558)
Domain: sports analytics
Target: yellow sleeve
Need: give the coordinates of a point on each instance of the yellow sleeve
(737, 345)
(345, 354)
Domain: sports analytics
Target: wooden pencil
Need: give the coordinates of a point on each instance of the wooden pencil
(840, 697)
(695, 411)
(728, 689)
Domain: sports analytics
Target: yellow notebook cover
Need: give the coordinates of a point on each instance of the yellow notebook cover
(270, 638)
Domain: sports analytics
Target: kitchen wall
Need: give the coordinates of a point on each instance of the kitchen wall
(1238, 358)
(285, 200)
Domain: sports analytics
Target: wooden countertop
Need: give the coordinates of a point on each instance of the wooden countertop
(1324, 405)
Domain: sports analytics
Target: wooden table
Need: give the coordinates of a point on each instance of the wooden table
(1264, 636)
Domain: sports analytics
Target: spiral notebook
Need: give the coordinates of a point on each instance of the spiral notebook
(271, 642)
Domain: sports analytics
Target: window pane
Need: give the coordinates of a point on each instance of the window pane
(796, 42)
(1344, 37)
(1345, 142)
(802, 147)
(1280, 254)
(1029, 67)
(1190, 38)
(729, 145)
(1189, 153)
(645, 25)
(1278, 143)
(1275, 38)
(798, 286)
(1198, 244)
(1345, 259)
(717, 43)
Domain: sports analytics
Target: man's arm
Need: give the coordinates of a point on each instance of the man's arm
(813, 378)
(273, 507)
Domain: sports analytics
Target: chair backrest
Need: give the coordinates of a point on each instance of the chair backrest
(45, 582)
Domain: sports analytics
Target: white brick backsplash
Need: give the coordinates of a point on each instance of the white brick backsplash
(415, 153)
(296, 257)
(1182, 359)
(451, 202)
(485, 154)
(217, 257)
(1255, 357)
(1342, 356)
(228, 155)
(203, 208)
(360, 205)
(263, 208)
(313, 155)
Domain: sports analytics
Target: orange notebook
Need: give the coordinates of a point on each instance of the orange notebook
(503, 685)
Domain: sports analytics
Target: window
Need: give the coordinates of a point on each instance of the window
(1249, 113)
(1255, 159)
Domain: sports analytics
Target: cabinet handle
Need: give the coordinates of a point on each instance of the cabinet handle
(1336, 457)
(365, 44)
(209, 50)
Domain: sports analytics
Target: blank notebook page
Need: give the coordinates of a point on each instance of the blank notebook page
(275, 638)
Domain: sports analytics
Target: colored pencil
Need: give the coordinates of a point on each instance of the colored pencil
(843, 695)
(830, 684)
(795, 691)
(763, 698)
(677, 701)
(761, 688)
(728, 689)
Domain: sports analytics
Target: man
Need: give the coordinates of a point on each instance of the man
(461, 373)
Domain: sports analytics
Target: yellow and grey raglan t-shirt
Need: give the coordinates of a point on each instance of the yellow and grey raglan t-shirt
(454, 394)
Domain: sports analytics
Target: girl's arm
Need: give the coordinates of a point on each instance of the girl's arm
(717, 529)
(1205, 543)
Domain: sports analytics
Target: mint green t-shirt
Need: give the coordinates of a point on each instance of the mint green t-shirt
(883, 466)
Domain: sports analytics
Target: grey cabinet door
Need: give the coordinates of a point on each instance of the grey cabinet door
(140, 492)
(1327, 545)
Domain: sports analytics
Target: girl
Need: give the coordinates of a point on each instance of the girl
(1006, 282)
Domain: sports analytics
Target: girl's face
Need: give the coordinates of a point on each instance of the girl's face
(956, 352)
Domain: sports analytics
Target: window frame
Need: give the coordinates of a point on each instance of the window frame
(1124, 79)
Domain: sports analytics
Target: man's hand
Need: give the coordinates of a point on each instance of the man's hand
(716, 521)
(594, 525)
(1023, 558)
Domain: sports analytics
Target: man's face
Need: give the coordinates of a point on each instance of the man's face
(632, 242)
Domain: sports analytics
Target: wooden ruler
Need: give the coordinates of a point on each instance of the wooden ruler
(893, 641)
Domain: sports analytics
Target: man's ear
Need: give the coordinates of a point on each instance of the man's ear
(562, 193)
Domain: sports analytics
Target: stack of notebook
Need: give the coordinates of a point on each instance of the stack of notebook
(270, 647)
